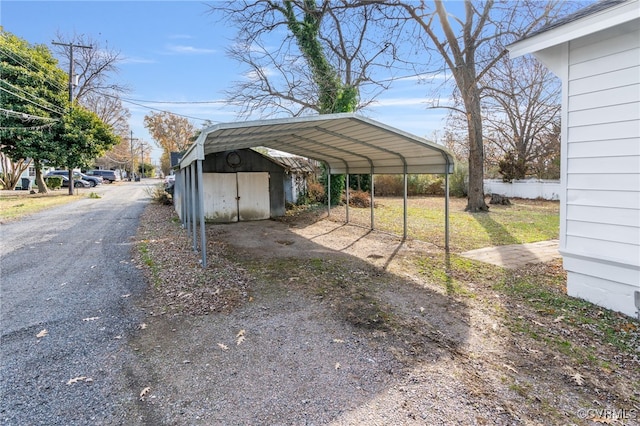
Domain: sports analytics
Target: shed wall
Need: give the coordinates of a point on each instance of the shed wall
(601, 207)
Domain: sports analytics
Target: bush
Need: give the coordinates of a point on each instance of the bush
(393, 185)
(459, 181)
(315, 192)
(53, 182)
(159, 195)
(359, 199)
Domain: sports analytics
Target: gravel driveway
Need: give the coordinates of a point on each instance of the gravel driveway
(67, 309)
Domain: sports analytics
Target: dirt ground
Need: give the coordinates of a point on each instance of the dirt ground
(311, 321)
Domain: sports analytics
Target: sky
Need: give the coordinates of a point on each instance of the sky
(173, 59)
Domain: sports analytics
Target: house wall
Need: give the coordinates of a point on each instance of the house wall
(600, 209)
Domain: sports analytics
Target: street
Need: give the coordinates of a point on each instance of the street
(67, 307)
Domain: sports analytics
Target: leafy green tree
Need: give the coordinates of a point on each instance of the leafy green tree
(82, 137)
(33, 99)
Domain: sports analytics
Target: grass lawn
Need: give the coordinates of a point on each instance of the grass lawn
(15, 204)
(525, 221)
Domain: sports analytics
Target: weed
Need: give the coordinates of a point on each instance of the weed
(143, 247)
(93, 195)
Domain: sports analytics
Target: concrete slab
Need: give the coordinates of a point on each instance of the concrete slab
(516, 255)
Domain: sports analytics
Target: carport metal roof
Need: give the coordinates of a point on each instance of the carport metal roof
(345, 143)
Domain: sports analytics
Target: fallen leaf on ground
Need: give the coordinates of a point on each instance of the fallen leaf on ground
(240, 337)
(338, 366)
(578, 378)
(144, 392)
(79, 379)
(558, 319)
(42, 333)
(510, 368)
(143, 326)
(223, 346)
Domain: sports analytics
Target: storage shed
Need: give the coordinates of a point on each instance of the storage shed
(242, 185)
(596, 53)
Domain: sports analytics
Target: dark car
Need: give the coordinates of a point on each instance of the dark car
(77, 182)
(108, 175)
(93, 180)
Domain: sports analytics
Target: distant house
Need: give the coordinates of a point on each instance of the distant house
(298, 170)
(596, 53)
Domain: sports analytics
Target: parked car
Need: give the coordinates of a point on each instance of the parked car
(77, 183)
(108, 175)
(93, 180)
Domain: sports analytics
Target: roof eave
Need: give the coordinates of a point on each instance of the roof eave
(602, 20)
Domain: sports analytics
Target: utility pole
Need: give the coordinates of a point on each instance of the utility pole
(131, 139)
(142, 160)
(71, 86)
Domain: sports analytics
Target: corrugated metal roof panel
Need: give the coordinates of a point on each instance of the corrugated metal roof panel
(345, 142)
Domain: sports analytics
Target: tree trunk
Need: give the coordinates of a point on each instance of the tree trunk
(71, 182)
(42, 186)
(475, 198)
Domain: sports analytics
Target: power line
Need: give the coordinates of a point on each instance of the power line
(59, 111)
(175, 102)
(30, 66)
(41, 127)
(24, 116)
(157, 109)
(30, 101)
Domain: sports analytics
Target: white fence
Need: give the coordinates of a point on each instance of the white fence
(530, 188)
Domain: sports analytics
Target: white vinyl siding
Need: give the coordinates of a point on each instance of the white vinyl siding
(603, 147)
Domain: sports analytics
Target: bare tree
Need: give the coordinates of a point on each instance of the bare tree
(98, 91)
(470, 44)
(521, 111)
(94, 68)
(279, 43)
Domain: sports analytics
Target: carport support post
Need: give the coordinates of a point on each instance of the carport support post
(372, 189)
(404, 203)
(194, 201)
(346, 190)
(328, 191)
(183, 197)
(203, 234)
(187, 200)
(446, 207)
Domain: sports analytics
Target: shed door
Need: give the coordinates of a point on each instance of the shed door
(220, 192)
(229, 197)
(253, 196)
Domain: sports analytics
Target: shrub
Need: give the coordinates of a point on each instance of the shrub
(53, 182)
(315, 192)
(459, 181)
(159, 195)
(393, 185)
(359, 199)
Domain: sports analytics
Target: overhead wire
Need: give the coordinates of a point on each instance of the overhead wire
(30, 101)
(60, 110)
(156, 109)
(30, 66)
(24, 116)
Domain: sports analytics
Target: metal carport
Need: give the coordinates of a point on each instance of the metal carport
(345, 143)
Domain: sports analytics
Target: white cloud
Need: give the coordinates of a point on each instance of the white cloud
(137, 60)
(190, 50)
